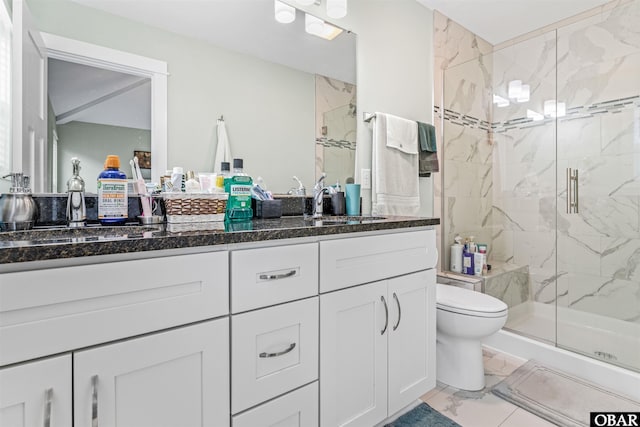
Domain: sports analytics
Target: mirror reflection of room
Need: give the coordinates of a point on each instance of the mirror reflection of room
(95, 112)
(259, 74)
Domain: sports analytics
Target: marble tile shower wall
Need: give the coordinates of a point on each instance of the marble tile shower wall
(598, 250)
(506, 185)
(467, 120)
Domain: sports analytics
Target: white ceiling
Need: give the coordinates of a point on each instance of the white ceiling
(93, 95)
(497, 21)
(246, 26)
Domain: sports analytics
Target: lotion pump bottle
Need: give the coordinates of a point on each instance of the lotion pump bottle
(456, 255)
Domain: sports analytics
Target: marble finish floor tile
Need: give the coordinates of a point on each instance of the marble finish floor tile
(482, 408)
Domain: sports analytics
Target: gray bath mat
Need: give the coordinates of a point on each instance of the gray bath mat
(423, 415)
(558, 397)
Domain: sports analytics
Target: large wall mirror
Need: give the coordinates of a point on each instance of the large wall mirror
(288, 98)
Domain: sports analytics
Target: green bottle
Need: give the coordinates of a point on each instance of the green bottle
(238, 186)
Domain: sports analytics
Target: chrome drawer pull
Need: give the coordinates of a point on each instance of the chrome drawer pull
(277, 276)
(288, 350)
(94, 401)
(47, 407)
(395, 297)
(386, 316)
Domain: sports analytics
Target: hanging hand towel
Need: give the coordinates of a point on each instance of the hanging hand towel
(428, 159)
(223, 150)
(394, 166)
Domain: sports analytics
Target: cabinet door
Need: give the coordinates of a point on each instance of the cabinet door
(35, 392)
(353, 356)
(274, 350)
(174, 378)
(412, 328)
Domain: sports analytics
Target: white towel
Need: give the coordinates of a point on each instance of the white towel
(223, 150)
(394, 166)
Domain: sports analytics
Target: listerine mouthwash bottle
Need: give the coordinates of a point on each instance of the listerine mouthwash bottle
(238, 186)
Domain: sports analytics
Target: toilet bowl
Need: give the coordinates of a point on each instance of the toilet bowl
(463, 319)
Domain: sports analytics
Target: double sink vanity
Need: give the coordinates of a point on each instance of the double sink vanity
(285, 322)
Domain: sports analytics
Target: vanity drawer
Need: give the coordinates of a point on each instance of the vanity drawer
(267, 276)
(54, 310)
(296, 409)
(353, 261)
(273, 350)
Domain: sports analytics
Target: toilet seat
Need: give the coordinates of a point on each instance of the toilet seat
(468, 302)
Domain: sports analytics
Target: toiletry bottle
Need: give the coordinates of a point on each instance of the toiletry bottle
(477, 263)
(225, 172)
(191, 185)
(238, 186)
(456, 255)
(472, 245)
(177, 179)
(112, 193)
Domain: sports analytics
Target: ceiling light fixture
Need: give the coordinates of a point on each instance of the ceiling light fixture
(284, 13)
(337, 8)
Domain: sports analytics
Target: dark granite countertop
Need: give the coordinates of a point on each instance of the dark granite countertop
(61, 242)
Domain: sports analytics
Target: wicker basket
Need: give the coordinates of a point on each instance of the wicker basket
(194, 207)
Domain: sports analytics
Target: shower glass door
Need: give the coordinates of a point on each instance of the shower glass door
(598, 186)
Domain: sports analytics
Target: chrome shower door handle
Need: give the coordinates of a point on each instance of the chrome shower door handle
(395, 297)
(386, 315)
(48, 394)
(572, 190)
(569, 201)
(94, 401)
(575, 191)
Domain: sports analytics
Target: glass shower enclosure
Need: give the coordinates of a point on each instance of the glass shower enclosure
(541, 161)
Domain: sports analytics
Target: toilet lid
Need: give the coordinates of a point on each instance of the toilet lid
(466, 301)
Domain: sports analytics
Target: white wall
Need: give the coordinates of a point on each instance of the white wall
(92, 143)
(395, 69)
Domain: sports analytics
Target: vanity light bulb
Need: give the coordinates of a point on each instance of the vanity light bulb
(524, 95)
(313, 25)
(515, 87)
(284, 13)
(337, 8)
(550, 107)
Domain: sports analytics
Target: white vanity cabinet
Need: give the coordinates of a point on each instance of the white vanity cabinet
(115, 320)
(377, 340)
(274, 336)
(174, 378)
(36, 393)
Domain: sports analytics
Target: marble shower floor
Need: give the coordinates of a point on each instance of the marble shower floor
(482, 408)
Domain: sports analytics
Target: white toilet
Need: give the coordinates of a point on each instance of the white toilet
(464, 317)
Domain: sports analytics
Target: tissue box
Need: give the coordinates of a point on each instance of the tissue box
(266, 208)
(195, 207)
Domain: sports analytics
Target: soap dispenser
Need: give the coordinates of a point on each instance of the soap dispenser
(76, 210)
(18, 210)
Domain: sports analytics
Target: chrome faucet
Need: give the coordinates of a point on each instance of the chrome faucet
(76, 210)
(318, 195)
(300, 191)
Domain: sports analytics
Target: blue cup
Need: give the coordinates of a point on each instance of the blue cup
(353, 199)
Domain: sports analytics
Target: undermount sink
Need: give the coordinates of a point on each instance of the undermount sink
(63, 234)
(350, 219)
